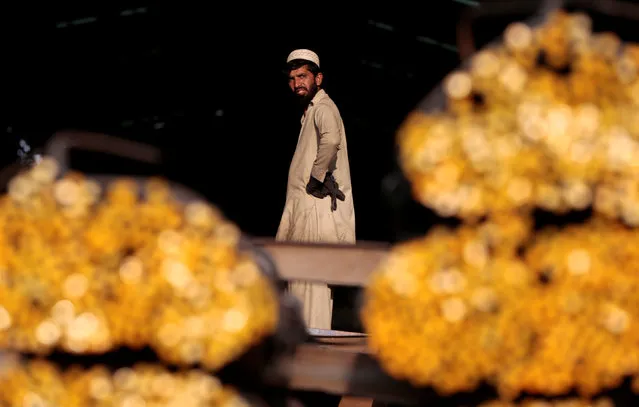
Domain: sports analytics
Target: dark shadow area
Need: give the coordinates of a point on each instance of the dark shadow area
(206, 86)
(392, 392)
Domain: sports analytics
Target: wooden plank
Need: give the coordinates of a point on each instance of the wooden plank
(355, 402)
(335, 362)
(343, 344)
(333, 333)
(332, 369)
(346, 265)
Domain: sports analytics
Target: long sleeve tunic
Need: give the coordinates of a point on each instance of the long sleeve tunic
(321, 148)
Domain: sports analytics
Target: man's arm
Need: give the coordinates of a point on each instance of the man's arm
(321, 183)
(328, 129)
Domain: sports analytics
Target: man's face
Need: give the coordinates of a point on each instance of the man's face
(303, 83)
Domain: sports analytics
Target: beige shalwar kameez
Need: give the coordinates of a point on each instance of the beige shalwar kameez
(321, 148)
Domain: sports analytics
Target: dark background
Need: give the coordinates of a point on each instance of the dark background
(205, 83)
(207, 86)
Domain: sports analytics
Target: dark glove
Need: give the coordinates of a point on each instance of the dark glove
(316, 188)
(329, 187)
(333, 191)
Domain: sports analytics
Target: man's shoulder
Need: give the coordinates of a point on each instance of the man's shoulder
(325, 98)
(326, 111)
(326, 103)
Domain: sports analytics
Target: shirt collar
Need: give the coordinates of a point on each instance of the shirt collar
(318, 96)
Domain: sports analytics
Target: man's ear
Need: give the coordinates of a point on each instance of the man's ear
(318, 79)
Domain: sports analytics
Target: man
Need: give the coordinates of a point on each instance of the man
(319, 201)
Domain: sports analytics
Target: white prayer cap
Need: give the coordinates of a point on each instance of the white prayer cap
(305, 54)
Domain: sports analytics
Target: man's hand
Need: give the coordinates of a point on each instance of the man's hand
(329, 187)
(316, 188)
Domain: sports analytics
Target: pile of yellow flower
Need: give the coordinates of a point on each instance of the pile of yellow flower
(547, 119)
(86, 272)
(519, 134)
(574, 402)
(458, 308)
(39, 383)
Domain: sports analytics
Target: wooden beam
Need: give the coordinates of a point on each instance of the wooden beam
(347, 371)
(347, 265)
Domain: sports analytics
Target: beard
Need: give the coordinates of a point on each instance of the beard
(310, 94)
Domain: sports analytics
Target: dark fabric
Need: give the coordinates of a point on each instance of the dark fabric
(329, 187)
(316, 188)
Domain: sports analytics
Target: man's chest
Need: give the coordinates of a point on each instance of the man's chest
(308, 131)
